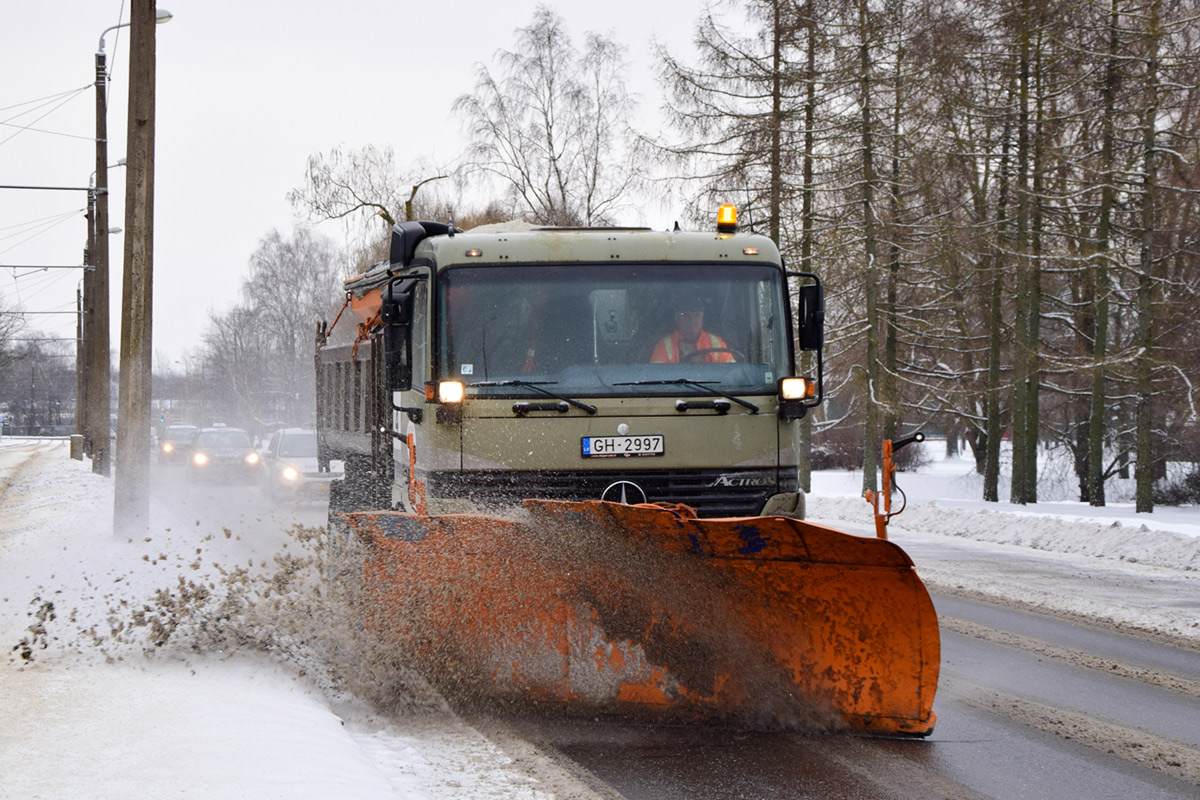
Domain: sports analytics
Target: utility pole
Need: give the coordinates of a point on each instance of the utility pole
(80, 378)
(131, 500)
(99, 396)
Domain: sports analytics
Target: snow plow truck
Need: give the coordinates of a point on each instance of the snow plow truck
(571, 470)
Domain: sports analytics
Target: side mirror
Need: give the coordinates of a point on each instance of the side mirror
(396, 314)
(810, 324)
(810, 336)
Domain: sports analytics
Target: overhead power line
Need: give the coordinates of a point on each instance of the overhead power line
(45, 99)
(44, 227)
(40, 267)
(43, 130)
(53, 107)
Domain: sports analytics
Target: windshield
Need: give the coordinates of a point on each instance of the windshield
(298, 445)
(229, 439)
(595, 329)
(179, 434)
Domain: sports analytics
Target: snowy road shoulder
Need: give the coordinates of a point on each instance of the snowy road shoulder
(1134, 572)
(86, 713)
(211, 729)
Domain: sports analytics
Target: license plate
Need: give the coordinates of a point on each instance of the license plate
(613, 446)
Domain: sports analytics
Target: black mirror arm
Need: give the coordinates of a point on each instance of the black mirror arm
(415, 413)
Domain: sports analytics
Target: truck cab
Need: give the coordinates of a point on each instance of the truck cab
(620, 364)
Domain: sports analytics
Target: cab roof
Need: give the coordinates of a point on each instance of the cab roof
(559, 246)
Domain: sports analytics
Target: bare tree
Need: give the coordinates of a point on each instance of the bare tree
(1002, 198)
(37, 385)
(11, 324)
(362, 185)
(551, 127)
(258, 356)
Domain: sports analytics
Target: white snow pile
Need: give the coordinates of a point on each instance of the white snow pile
(1134, 571)
(1057, 533)
(943, 499)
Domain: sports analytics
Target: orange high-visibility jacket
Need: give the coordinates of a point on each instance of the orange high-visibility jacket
(667, 349)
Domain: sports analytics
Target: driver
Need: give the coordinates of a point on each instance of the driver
(689, 341)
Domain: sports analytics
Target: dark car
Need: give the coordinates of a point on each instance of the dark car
(175, 444)
(223, 454)
(290, 467)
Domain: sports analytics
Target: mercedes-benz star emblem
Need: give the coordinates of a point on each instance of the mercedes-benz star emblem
(624, 492)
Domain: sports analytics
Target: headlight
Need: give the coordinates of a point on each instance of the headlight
(168, 447)
(451, 392)
(199, 459)
(252, 459)
(797, 388)
(290, 474)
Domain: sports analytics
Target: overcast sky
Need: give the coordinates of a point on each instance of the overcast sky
(247, 91)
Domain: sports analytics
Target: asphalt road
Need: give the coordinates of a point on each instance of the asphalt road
(236, 505)
(1028, 706)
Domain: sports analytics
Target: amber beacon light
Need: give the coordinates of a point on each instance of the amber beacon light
(727, 218)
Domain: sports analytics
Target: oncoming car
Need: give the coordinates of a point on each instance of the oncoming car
(176, 443)
(223, 454)
(290, 466)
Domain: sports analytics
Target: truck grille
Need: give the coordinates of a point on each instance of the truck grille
(712, 492)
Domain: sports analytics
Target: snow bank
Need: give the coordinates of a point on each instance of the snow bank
(1137, 572)
(1053, 533)
(943, 499)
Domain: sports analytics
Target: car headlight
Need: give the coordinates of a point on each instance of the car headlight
(290, 474)
(168, 447)
(199, 459)
(252, 459)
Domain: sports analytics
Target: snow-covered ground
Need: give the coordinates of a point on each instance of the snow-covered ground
(240, 702)
(1137, 572)
(91, 708)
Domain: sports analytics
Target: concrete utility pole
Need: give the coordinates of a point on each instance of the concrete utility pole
(95, 290)
(131, 501)
(80, 379)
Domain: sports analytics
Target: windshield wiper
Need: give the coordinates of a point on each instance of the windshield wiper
(702, 386)
(521, 408)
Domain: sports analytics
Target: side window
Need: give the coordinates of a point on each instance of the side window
(273, 447)
(420, 335)
(767, 325)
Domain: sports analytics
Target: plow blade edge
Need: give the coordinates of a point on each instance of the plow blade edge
(640, 610)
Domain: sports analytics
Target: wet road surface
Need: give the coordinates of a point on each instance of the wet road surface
(1028, 707)
(238, 505)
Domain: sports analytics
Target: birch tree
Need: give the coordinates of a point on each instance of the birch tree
(550, 127)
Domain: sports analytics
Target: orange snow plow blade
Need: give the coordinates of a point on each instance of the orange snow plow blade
(643, 610)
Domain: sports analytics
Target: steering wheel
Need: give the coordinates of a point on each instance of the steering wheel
(692, 358)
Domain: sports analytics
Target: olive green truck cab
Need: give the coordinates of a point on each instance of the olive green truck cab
(490, 367)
